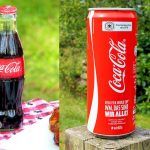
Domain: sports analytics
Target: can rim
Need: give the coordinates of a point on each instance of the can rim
(115, 8)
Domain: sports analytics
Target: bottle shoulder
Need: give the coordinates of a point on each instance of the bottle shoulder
(10, 45)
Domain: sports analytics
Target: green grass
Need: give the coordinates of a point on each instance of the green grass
(72, 111)
(143, 121)
(38, 27)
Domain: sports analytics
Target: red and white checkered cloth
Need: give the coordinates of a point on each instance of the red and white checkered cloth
(34, 110)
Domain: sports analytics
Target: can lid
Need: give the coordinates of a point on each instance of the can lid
(4, 10)
(107, 8)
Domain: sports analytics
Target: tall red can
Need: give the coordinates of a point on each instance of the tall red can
(111, 91)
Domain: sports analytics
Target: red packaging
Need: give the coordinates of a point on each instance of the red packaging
(111, 91)
(11, 68)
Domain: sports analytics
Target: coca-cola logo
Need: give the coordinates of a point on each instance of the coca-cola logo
(12, 67)
(117, 55)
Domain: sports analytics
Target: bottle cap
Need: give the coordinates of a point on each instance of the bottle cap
(4, 10)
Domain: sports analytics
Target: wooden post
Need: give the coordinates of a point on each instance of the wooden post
(79, 138)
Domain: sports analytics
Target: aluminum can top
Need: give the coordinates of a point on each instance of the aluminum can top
(117, 9)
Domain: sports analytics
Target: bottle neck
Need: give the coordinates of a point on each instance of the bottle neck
(7, 23)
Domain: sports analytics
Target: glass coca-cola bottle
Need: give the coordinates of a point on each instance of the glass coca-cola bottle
(11, 71)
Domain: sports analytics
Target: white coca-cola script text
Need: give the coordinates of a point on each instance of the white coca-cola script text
(117, 55)
(12, 67)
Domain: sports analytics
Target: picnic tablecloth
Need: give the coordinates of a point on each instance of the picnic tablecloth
(34, 133)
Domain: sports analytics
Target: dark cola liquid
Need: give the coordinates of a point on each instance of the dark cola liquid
(11, 114)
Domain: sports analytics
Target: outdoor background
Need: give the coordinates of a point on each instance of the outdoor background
(38, 28)
(73, 15)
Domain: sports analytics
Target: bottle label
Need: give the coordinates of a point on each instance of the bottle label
(11, 68)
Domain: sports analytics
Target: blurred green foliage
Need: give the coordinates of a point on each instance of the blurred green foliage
(72, 44)
(73, 15)
(38, 27)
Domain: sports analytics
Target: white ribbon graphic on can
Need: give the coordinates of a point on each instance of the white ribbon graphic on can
(94, 106)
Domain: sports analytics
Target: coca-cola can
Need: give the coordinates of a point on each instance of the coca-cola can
(111, 71)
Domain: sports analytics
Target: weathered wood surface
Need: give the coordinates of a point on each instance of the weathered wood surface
(79, 138)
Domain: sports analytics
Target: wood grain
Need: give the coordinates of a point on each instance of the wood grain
(79, 138)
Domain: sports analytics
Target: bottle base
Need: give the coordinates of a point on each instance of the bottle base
(5, 130)
(12, 128)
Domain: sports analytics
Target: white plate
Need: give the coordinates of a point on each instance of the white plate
(34, 137)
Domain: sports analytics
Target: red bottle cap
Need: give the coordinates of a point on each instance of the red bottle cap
(7, 9)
